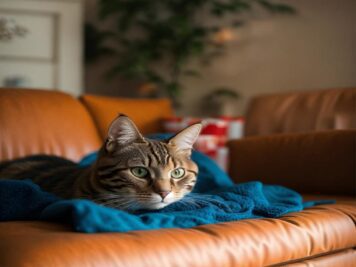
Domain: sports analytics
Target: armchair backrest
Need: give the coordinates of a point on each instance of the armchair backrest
(301, 112)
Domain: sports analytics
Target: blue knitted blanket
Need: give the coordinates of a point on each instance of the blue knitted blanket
(215, 199)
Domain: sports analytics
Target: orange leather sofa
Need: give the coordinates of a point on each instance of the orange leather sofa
(316, 163)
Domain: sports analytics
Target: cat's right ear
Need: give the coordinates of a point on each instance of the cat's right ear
(123, 131)
(185, 139)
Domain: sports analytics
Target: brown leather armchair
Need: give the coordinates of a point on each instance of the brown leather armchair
(302, 111)
(34, 121)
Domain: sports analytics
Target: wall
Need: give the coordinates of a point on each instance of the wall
(314, 49)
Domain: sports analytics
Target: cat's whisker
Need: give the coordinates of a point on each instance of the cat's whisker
(210, 198)
(111, 197)
(189, 203)
(105, 200)
(122, 201)
(199, 202)
(130, 206)
(120, 204)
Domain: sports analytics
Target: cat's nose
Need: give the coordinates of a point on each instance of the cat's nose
(163, 194)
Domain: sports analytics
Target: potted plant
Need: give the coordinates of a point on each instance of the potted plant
(154, 41)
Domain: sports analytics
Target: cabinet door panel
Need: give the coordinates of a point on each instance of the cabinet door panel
(27, 74)
(37, 42)
(50, 55)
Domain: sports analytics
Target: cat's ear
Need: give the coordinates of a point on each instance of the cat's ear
(185, 139)
(123, 131)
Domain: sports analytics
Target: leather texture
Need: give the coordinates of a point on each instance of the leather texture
(344, 258)
(146, 113)
(258, 242)
(301, 112)
(310, 163)
(44, 122)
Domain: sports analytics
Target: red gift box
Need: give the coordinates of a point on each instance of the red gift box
(214, 135)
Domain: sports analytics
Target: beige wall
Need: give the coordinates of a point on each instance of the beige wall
(314, 49)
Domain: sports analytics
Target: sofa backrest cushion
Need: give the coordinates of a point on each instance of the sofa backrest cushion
(301, 112)
(146, 113)
(44, 122)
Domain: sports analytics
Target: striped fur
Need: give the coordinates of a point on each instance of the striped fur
(110, 181)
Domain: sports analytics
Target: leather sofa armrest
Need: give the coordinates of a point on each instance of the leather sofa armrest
(312, 163)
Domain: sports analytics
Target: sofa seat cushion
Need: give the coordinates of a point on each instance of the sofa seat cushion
(146, 113)
(343, 258)
(258, 242)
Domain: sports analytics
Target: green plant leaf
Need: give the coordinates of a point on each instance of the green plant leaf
(192, 73)
(277, 7)
(95, 43)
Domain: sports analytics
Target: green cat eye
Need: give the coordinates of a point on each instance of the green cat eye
(177, 173)
(139, 172)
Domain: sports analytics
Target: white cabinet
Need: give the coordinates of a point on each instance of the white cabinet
(47, 51)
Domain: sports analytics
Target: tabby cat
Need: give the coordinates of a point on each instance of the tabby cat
(130, 173)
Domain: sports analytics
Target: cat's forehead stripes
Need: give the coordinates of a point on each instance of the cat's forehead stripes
(137, 161)
(152, 153)
(158, 152)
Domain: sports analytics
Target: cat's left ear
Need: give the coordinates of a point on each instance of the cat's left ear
(185, 139)
(123, 131)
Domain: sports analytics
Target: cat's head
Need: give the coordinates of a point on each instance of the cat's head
(134, 172)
